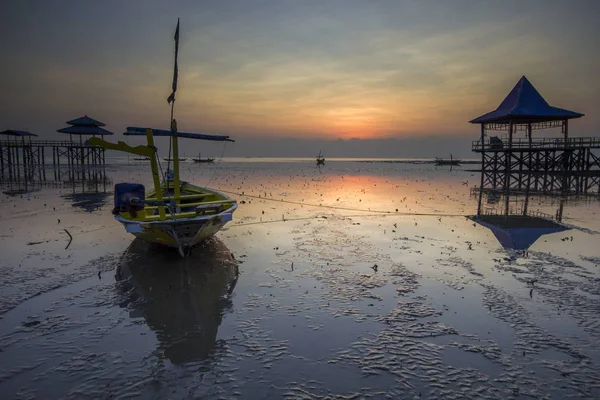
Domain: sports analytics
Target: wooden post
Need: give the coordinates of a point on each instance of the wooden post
(482, 151)
(155, 177)
(480, 194)
(9, 156)
(508, 157)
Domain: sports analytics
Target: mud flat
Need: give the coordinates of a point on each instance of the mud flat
(358, 280)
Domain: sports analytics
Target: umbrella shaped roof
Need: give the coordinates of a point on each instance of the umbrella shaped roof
(85, 120)
(84, 130)
(12, 132)
(85, 126)
(518, 231)
(524, 104)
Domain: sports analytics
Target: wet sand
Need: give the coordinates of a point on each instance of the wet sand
(325, 285)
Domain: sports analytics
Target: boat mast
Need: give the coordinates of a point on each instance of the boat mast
(174, 141)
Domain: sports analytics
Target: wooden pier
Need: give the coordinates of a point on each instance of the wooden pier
(32, 154)
(24, 151)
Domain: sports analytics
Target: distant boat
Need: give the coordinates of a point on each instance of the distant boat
(141, 158)
(203, 160)
(451, 161)
(172, 159)
(320, 159)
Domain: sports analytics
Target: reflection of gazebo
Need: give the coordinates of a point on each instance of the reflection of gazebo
(518, 231)
(85, 126)
(515, 226)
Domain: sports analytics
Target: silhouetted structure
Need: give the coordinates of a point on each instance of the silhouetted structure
(20, 150)
(320, 160)
(550, 165)
(82, 153)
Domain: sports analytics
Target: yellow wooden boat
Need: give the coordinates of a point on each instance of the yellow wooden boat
(174, 213)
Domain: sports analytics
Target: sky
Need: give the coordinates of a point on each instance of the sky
(305, 74)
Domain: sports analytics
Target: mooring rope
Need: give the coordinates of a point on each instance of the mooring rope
(343, 208)
(218, 165)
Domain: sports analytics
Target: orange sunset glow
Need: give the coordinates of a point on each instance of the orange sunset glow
(302, 70)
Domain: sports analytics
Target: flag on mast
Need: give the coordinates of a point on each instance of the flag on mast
(175, 70)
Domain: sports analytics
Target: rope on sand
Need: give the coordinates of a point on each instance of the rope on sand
(398, 213)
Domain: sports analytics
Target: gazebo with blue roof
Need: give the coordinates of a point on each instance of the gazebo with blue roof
(553, 164)
(85, 126)
(524, 109)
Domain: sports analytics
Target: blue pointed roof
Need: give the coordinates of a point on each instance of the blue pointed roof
(12, 132)
(518, 231)
(84, 126)
(84, 130)
(86, 121)
(524, 104)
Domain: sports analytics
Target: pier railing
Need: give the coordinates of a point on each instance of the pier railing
(538, 143)
(42, 143)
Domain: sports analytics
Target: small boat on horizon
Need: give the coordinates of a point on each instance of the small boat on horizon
(451, 161)
(170, 159)
(141, 158)
(203, 160)
(320, 159)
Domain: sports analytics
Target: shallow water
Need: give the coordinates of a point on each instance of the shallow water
(286, 302)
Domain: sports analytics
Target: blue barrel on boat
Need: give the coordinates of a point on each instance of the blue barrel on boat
(124, 192)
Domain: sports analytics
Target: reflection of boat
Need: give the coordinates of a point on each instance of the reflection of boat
(451, 161)
(181, 299)
(203, 160)
(174, 213)
(320, 159)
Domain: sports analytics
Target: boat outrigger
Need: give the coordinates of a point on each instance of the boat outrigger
(174, 213)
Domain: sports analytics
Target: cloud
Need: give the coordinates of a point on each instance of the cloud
(296, 69)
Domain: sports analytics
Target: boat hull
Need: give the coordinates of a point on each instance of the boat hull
(193, 220)
(184, 233)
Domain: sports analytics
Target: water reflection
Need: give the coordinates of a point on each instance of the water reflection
(181, 299)
(89, 187)
(507, 211)
(88, 184)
